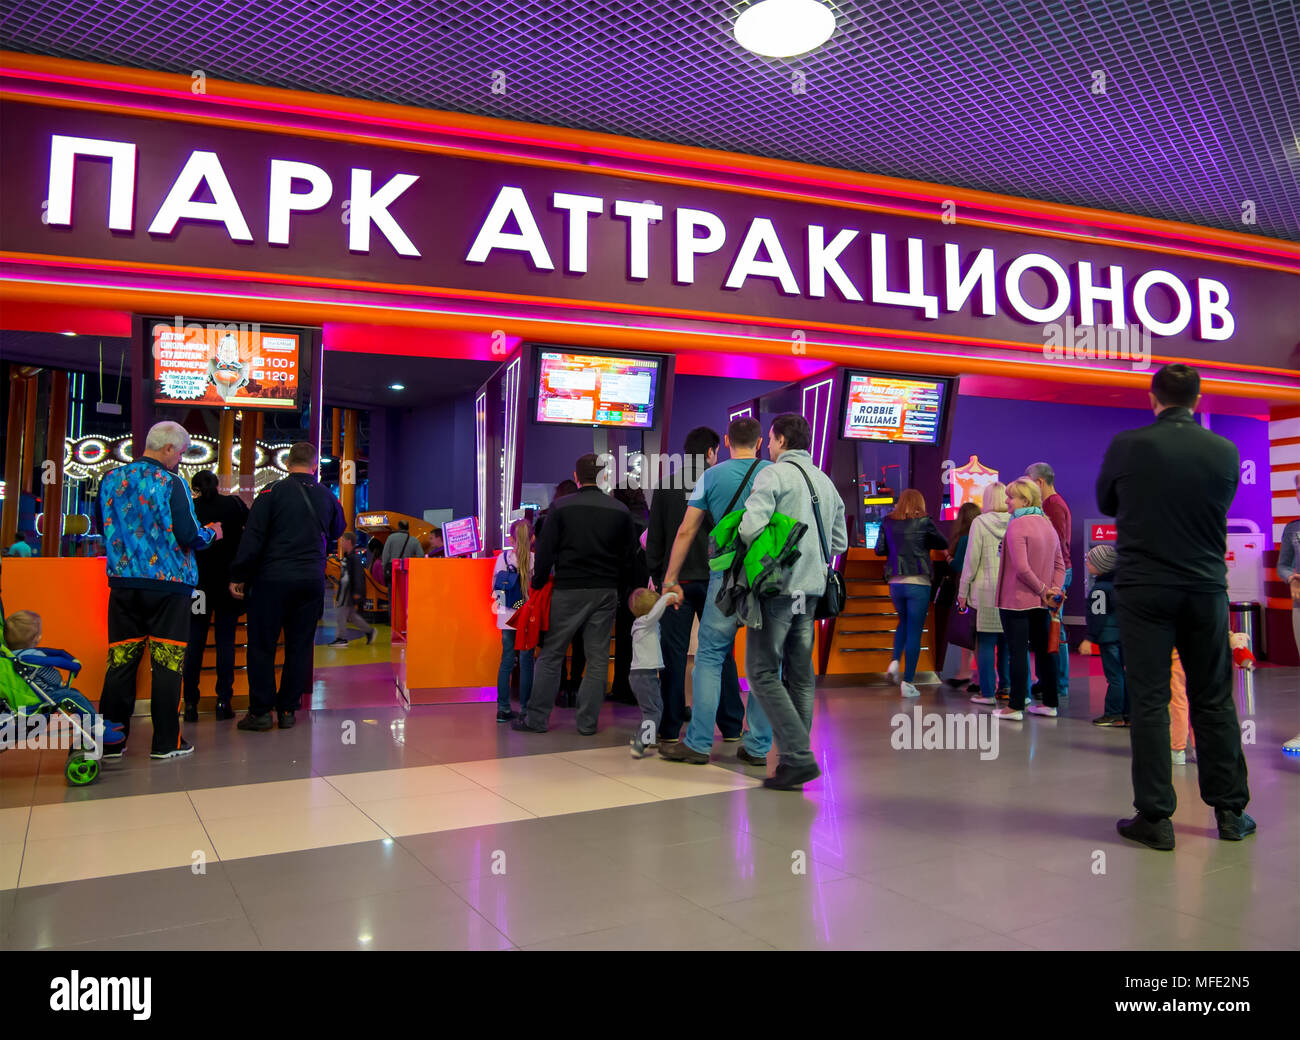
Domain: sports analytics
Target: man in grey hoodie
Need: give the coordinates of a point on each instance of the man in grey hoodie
(787, 633)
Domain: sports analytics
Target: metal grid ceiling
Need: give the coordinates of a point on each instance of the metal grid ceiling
(1200, 114)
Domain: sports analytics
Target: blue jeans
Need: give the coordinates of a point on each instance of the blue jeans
(1063, 655)
(526, 660)
(785, 638)
(1112, 665)
(717, 637)
(911, 602)
(993, 661)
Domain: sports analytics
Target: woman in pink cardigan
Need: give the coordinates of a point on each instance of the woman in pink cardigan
(1029, 585)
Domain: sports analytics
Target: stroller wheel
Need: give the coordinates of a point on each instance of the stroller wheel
(81, 770)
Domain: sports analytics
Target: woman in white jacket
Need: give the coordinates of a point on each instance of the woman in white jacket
(979, 589)
(518, 559)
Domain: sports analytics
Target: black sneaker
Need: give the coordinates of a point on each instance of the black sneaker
(680, 751)
(1233, 826)
(955, 683)
(750, 760)
(790, 778)
(114, 750)
(505, 716)
(1108, 720)
(1157, 835)
(338, 643)
(183, 748)
(191, 713)
(256, 723)
(287, 719)
(520, 725)
(224, 711)
(370, 636)
(973, 688)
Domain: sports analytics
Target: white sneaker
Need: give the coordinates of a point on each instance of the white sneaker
(892, 670)
(637, 752)
(910, 691)
(981, 699)
(1042, 709)
(1010, 714)
(1179, 757)
(1292, 745)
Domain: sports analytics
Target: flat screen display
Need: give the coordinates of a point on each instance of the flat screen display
(580, 389)
(902, 409)
(871, 534)
(232, 365)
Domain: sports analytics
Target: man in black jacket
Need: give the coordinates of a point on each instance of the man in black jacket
(282, 560)
(1169, 486)
(667, 511)
(590, 542)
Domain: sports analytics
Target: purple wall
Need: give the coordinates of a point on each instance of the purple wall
(1010, 435)
(424, 458)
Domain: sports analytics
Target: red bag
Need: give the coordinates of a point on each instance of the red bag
(532, 619)
(1054, 635)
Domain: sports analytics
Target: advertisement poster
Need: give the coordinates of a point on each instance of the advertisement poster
(225, 365)
(592, 390)
(461, 537)
(969, 482)
(893, 408)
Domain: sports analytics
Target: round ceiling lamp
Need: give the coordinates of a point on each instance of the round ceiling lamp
(784, 28)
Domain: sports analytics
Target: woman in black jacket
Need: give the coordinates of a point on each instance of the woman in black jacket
(215, 604)
(906, 537)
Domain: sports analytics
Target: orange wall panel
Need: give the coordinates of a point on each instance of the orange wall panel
(71, 595)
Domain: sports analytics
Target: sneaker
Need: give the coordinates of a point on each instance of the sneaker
(750, 760)
(1179, 757)
(669, 740)
(257, 723)
(680, 751)
(370, 636)
(973, 688)
(183, 748)
(1042, 709)
(1292, 746)
(224, 711)
(191, 713)
(1107, 720)
(909, 690)
(287, 719)
(114, 750)
(505, 716)
(637, 749)
(892, 670)
(1003, 694)
(1158, 834)
(790, 778)
(339, 643)
(520, 725)
(1010, 714)
(983, 700)
(955, 683)
(1233, 826)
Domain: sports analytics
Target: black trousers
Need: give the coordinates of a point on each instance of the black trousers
(294, 608)
(137, 617)
(1153, 622)
(1029, 630)
(223, 613)
(675, 642)
(621, 688)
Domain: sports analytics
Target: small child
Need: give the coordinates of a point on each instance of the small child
(23, 637)
(1103, 630)
(1179, 730)
(647, 608)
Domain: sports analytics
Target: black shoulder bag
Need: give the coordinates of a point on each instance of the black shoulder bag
(324, 533)
(832, 600)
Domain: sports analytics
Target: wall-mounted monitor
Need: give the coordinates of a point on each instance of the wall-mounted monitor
(903, 409)
(586, 388)
(225, 365)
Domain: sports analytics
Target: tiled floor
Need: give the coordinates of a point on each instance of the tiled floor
(370, 828)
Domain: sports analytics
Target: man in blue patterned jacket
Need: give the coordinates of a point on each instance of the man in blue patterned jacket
(151, 534)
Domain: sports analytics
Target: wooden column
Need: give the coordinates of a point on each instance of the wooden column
(348, 466)
(336, 425)
(55, 434)
(247, 455)
(29, 432)
(225, 444)
(13, 457)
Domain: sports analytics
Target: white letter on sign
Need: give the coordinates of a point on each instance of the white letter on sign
(121, 179)
(202, 168)
(1213, 299)
(689, 246)
(915, 295)
(284, 200)
(1026, 310)
(580, 208)
(1182, 317)
(368, 208)
(639, 215)
(1090, 293)
(824, 260)
(762, 233)
(510, 202)
(958, 287)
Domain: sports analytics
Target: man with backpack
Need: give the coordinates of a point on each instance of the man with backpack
(400, 546)
(794, 488)
(280, 567)
(719, 489)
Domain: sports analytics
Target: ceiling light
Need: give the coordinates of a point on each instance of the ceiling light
(325, 460)
(68, 333)
(784, 28)
(396, 386)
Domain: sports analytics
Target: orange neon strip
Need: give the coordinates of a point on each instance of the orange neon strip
(487, 296)
(330, 106)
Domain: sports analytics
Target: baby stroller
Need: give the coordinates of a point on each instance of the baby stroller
(22, 697)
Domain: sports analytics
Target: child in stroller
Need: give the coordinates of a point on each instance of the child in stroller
(30, 684)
